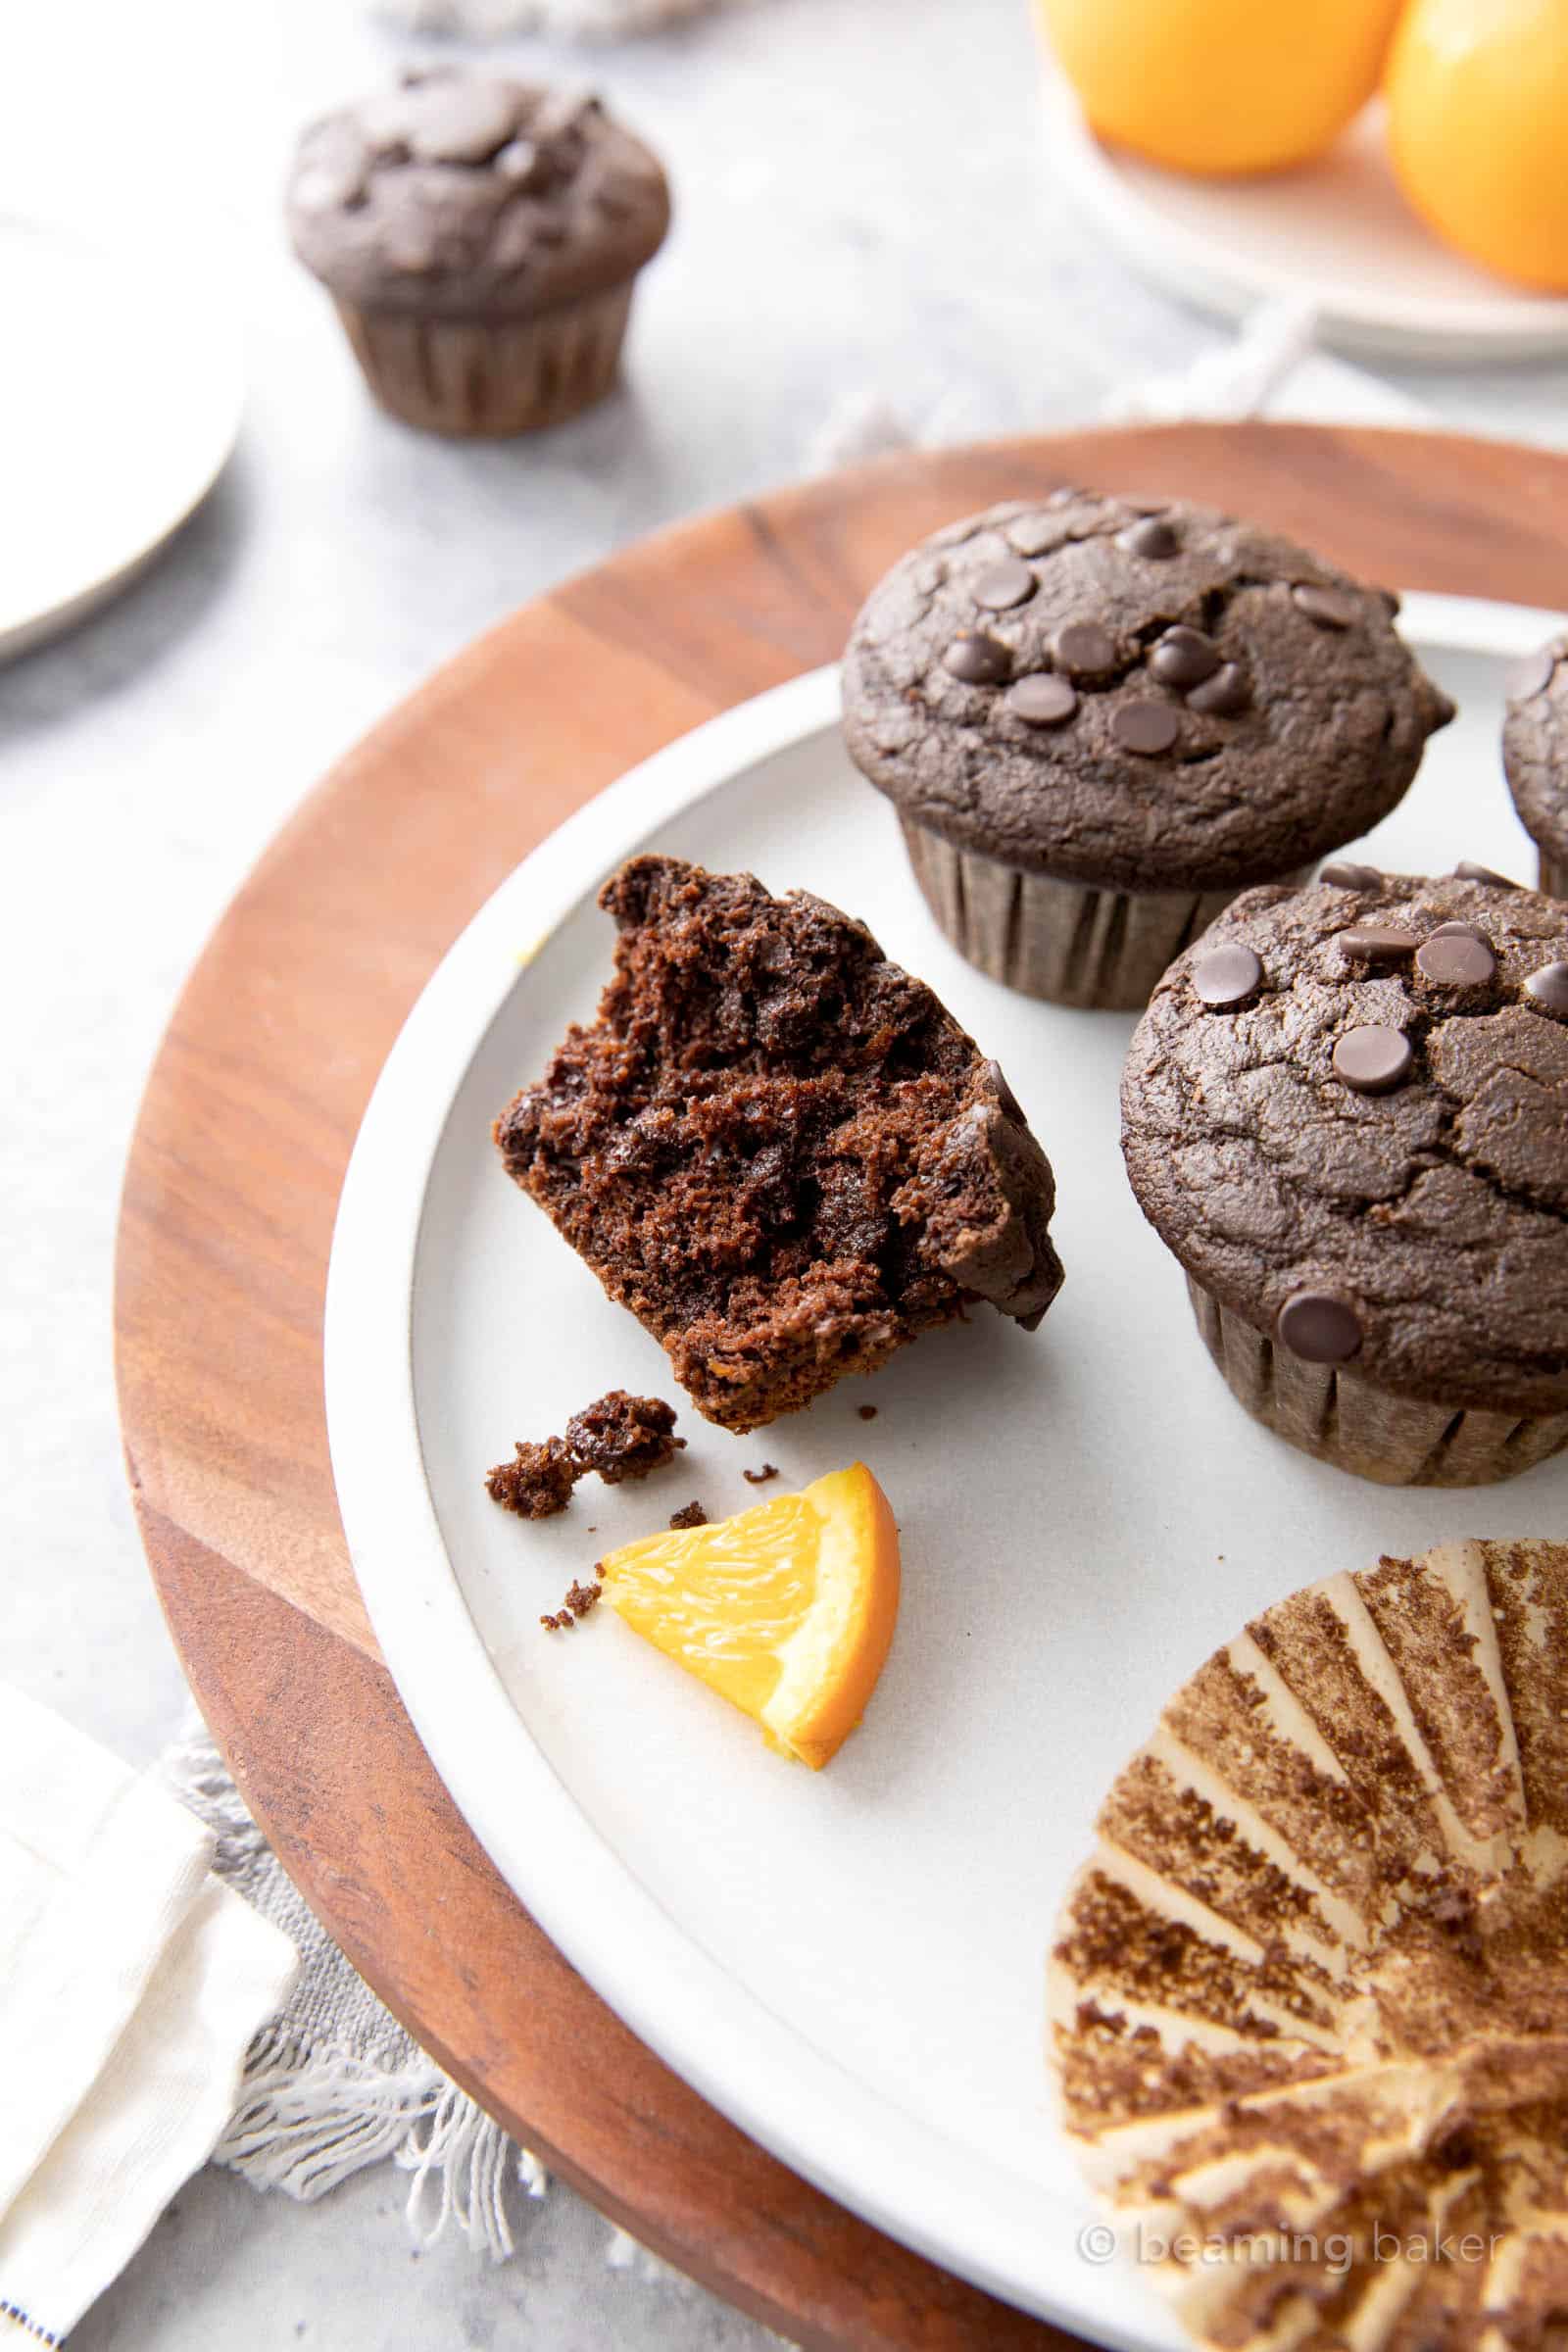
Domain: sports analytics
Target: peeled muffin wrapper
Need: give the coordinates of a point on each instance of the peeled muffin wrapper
(1309, 1997)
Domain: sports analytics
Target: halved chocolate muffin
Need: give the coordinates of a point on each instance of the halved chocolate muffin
(777, 1148)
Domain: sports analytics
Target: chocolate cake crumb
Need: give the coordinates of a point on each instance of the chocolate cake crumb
(760, 1478)
(538, 1483)
(621, 1436)
(775, 1148)
(693, 1515)
(867, 1412)
(581, 1598)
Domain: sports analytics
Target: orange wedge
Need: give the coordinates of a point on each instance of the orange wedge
(785, 1610)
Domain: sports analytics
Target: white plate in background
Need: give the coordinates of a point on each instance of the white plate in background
(121, 393)
(849, 1964)
(1335, 234)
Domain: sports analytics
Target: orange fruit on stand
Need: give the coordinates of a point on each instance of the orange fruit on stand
(1478, 130)
(785, 1610)
(1221, 86)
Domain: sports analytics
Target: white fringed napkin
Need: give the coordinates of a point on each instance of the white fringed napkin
(333, 2083)
(131, 1985)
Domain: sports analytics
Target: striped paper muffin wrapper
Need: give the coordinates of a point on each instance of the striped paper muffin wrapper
(1553, 875)
(1340, 1418)
(1292, 2039)
(1063, 940)
(489, 380)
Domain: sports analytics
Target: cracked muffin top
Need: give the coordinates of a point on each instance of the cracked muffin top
(471, 195)
(1135, 696)
(1535, 746)
(1345, 1112)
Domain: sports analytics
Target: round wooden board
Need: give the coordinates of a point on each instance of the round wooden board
(227, 1217)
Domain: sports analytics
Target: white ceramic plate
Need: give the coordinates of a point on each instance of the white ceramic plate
(848, 1963)
(119, 401)
(1336, 234)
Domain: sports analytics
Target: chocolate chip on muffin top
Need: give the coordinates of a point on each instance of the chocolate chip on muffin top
(1535, 753)
(1131, 696)
(1365, 1153)
(473, 195)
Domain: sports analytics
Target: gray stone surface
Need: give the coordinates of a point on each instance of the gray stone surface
(863, 206)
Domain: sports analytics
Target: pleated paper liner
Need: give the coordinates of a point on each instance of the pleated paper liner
(1309, 1996)
(1553, 875)
(1063, 940)
(490, 379)
(1327, 1410)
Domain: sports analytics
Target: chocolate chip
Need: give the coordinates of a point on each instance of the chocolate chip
(1226, 977)
(1153, 538)
(1548, 989)
(1377, 942)
(1459, 931)
(1042, 699)
(1329, 607)
(979, 661)
(1006, 1100)
(1003, 585)
(1147, 728)
(1345, 874)
(1228, 692)
(1320, 1327)
(1184, 658)
(1373, 1060)
(460, 122)
(525, 165)
(1467, 870)
(1085, 647)
(563, 115)
(1531, 676)
(386, 118)
(1457, 959)
(328, 188)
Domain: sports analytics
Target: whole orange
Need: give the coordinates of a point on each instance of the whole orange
(1221, 86)
(1478, 129)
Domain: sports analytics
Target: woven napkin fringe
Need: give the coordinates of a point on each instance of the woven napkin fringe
(335, 2084)
(307, 2121)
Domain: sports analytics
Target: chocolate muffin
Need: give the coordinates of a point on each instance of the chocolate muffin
(480, 237)
(1345, 1112)
(1534, 757)
(776, 1147)
(1098, 718)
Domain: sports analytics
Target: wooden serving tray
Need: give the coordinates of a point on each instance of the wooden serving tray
(234, 1181)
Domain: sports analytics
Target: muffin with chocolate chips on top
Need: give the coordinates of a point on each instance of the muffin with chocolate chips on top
(1534, 757)
(1100, 719)
(1344, 1113)
(480, 237)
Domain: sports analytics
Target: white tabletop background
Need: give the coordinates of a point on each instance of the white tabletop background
(863, 207)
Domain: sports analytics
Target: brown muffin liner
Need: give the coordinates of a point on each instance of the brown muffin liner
(491, 379)
(1554, 879)
(1063, 941)
(1331, 1412)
